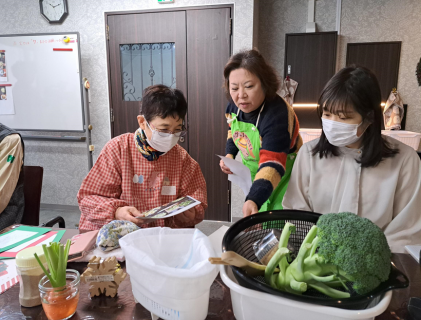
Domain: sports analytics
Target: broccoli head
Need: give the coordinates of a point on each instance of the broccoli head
(357, 246)
(341, 247)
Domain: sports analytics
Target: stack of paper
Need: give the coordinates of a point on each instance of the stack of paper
(52, 236)
(240, 174)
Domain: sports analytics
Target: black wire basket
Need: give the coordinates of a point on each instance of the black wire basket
(241, 236)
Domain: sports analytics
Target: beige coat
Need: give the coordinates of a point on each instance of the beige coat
(11, 146)
(389, 194)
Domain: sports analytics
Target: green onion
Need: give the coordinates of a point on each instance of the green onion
(56, 255)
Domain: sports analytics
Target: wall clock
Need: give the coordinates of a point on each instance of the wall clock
(55, 11)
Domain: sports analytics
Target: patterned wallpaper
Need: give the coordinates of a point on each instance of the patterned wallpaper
(388, 20)
(65, 164)
(278, 17)
(361, 21)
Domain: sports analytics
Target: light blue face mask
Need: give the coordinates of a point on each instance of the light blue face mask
(340, 134)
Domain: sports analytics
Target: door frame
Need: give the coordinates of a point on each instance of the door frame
(159, 10)
(156, 10)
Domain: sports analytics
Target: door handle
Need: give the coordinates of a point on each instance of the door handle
(182, 139)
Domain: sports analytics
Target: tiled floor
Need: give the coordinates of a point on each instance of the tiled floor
(71, 215)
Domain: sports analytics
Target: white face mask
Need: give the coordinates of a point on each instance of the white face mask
(162, 143)
(340, 134)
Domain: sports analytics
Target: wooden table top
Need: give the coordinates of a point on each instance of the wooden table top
(123, 306)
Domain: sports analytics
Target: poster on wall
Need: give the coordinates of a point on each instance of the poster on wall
(6, 100)
(3, 73)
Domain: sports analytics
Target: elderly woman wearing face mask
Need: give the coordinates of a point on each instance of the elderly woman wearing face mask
(263, 127)
(137, 172)
(353, 168)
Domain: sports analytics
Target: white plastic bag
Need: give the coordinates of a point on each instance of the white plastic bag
(170, 267)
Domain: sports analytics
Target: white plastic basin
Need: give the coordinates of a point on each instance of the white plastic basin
(251, 305)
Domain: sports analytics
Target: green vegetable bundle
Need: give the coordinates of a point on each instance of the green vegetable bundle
(341, 247)
(56, 255)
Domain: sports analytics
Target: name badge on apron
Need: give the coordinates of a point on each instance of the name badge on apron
(167, 189)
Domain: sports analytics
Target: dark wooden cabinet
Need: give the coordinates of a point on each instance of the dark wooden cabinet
(310, 59)
(382, 58)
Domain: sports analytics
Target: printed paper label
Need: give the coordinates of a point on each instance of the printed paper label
(168, 190)
(100, 278)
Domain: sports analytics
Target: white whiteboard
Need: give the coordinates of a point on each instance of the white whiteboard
(45, 84)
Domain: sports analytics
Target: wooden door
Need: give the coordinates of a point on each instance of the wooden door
(382, 58)
(202, 38)
(208, 50)
(311, 60)
(138, 45)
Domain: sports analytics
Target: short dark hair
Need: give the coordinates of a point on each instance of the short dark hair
(253, 62)
(162, 101)
(356, 88)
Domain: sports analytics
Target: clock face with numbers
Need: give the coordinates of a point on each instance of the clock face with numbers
(55, 11)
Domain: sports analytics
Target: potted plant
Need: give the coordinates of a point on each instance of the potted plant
(59, 288)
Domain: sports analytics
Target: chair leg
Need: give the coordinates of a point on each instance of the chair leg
(52, 222)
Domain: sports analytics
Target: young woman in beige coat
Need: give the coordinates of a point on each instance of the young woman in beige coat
(353, 168)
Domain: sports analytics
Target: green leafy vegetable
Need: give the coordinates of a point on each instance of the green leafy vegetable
(56, 255)
(341, 247)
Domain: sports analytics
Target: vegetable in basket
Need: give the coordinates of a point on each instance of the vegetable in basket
(341, 247)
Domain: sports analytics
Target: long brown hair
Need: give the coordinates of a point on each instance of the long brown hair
(253, 62)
